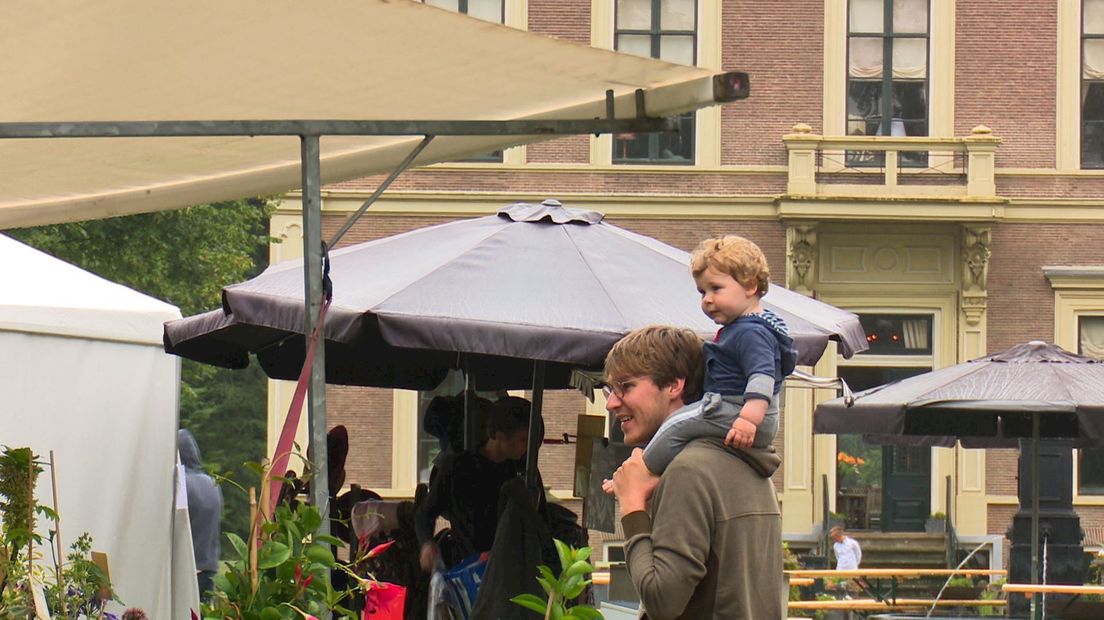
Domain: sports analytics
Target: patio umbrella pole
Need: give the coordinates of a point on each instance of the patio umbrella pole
(312, 276)
(534, 420)
(1035, 597)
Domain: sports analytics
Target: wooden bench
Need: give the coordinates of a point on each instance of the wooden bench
(869, 604)
(1031, 588)
(880, 584)
(900, 573)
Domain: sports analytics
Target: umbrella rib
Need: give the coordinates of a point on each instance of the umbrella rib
(583, 257)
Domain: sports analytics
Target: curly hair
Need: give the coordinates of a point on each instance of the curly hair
(736, 256)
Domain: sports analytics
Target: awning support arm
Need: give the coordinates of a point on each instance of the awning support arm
(403, 165)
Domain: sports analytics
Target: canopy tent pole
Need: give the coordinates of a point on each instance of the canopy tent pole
(312, 275)
(534, 423)
(1036, 608)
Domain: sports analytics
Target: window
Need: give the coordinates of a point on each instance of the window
(1090, 342)
(893, 102)
(1092, 84)
(897, 334)
(487, 10)
(665, 29)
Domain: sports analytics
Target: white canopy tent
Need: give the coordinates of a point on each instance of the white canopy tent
(83, 374)
(122, 107)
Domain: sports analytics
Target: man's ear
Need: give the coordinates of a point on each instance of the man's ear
(676, 387)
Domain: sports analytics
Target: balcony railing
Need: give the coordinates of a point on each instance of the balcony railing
(891, 166)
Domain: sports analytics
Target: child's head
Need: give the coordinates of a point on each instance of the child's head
(735, 256)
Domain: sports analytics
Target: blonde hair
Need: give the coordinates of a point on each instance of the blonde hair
(663, 354)
(736, 256)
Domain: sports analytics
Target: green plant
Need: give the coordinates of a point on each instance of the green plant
(991, 593)
(960, 582)
(837, 517)
(78, 594)
(76, 587)
(569, 585)
(280, 573)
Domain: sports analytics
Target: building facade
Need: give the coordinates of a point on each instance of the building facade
(936, 166)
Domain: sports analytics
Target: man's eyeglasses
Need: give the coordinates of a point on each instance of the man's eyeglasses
(619, 388)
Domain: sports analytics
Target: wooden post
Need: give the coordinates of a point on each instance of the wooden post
(57, 537)
(254, 536)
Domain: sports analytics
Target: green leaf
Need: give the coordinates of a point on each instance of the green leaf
(531, 602)
(575, 589)
(557, 612)
(272, 554)
(309, 517)
(548, 586)
(270, 613)
(546, 573)
(332, 540)
(580, 567)
(585, 612)
(583, 553)
(320, 553)
(564, 551)
(239, 545)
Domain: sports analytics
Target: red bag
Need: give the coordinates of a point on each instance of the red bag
(384, 601)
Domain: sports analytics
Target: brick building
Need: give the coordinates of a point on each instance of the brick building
(936, 166)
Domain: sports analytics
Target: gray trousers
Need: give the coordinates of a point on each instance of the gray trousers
(712, 416)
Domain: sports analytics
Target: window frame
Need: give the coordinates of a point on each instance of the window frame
(888, 36)
(655, 34)
(1077, 316)
(1082, 83)
(1078, 291)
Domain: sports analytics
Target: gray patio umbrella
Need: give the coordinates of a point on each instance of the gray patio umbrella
(533, 282)
(1032, 391)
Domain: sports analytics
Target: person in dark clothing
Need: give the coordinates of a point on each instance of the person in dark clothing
(204, 510)
(465, 489)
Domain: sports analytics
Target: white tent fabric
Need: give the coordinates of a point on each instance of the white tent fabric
(157, 60)
(83, 374)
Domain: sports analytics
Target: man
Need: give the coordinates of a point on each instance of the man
(705, 540)
(466, 488)
(848, 551)
(204, 511)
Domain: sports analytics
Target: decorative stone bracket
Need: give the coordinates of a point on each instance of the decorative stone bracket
(975, 272)
(801, 252)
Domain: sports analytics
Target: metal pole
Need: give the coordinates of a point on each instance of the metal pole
(379, 191)
(312, 275)
(1036, 607)
(534, 420)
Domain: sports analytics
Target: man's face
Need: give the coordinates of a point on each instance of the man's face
(640, 406)
(515, 444)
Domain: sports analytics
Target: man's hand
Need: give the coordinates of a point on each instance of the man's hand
(741, 435)
(633, 484)
(428, 557)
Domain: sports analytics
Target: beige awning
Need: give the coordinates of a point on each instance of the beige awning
(123, 60)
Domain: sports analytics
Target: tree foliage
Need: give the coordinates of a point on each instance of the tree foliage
(185, 257)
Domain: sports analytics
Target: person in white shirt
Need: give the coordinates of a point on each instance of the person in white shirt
(848, 552)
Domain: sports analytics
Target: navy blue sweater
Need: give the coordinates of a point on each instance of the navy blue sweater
(750, 357)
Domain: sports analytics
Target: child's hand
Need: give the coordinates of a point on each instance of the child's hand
(607, 486)
(741, 435)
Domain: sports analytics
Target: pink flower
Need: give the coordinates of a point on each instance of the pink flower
(378, 549)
